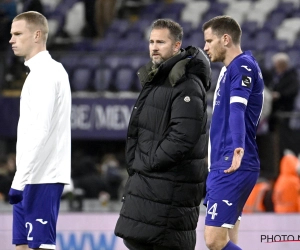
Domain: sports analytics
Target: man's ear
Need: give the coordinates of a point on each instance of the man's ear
(37, 34)
(177, 46)
(226, 39)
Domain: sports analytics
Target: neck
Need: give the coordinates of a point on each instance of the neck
(35, 52)
(231, 54)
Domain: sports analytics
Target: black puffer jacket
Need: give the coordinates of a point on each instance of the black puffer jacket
(165, 150)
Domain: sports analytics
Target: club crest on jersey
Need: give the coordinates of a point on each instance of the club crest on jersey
(246, 81)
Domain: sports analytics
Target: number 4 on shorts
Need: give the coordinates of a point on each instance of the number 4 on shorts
(212, 210)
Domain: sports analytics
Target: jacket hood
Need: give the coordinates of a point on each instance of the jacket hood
(199, 65)
(190, 60)
(288, 165)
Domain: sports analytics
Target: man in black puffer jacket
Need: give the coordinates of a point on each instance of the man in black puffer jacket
(166, 146)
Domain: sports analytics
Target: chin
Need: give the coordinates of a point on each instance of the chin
(215, 59)
(155, 62)
(17, 53)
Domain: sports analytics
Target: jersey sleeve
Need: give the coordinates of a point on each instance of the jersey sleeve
(242, 77)
(42, 99)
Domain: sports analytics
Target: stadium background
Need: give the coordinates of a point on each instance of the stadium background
(102, 70)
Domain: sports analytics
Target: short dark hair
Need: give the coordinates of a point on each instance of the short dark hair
(175, 29)
(221, 25)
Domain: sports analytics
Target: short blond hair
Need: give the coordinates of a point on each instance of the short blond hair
(37, 20)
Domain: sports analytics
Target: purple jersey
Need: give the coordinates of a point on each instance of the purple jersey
(241, 83)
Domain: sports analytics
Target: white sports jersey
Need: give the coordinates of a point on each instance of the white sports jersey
(44, 129)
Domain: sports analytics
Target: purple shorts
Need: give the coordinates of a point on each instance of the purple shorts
(226, 196)
(35, 217)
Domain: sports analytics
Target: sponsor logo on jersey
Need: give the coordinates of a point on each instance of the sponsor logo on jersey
(246, 81)
(246, 67)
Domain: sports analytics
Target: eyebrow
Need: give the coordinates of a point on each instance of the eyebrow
(15, 32)
(158, 40)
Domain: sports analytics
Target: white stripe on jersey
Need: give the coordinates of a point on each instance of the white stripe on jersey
(239, 99)
(263, 101)
(222, 72)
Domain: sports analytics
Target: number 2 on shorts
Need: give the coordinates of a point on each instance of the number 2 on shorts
(29, 231)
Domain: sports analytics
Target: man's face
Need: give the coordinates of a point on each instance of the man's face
(161, 46)
(214, 46)
(22, 39)
(280, 67)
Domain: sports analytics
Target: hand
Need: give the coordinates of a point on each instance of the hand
(236, 160)
(15, 196)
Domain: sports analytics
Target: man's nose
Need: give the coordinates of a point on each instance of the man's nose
(154, 46)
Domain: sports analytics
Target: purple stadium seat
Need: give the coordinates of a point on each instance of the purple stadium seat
(187, 28)
(81, 79)
(124, 77)
(90, 61)
(69, 62)
(214, 77)
(196, 39)
(115, 61)
(105, 45)
(151, 11)
(287, 7)
(112, 34)
(103, 78)
(296, 44)
(170, 15)
(267, 58)
(218, 7)
(134, 34)
(262, 39)
(119, 26)
(130, 45)
(137, 62)
(294, 57)
(141, 25)
(247, 42)
(211, 13)
(279, 44)
(274, 20)
(172, 11)
(249, 27)
(84, 45)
